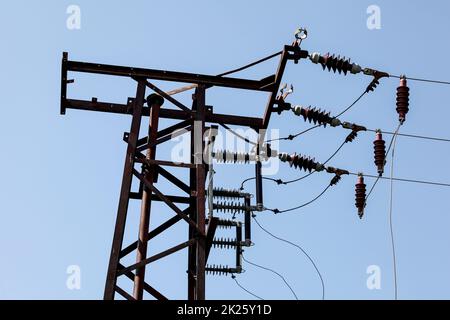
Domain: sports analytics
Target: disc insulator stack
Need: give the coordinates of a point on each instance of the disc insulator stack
(221, 270)
(301, 162)
(222, 156)
(360, 195)
(315, 116)
(223, 243)
(335, 63)
(402, 100)
(379, 147)
(230, 207)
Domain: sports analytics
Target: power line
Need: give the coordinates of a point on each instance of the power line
(441, 184)
(276, 211)
(292, 137)
(246, 290)
(273, 271)
(351, 105)
(250, 64)
(390, 219)
(298, 247)
(412, 135)
(422, 80)
(237, 70)
(237, 134)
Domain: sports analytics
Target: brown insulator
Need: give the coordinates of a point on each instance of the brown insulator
(228, 193)
(226, 224)
(301, 162)
(231, 207)
(225, 243)
(402, 99)
(219, 270)
(314, 115)
(379, 147)
(360, 195)
(335, 63)
(223, 156)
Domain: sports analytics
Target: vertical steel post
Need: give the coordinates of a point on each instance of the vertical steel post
(199, 145)
(127, 178)
(144, 223)
(258, 178)
(247, 220)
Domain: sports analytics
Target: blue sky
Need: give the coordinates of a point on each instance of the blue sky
(61, 175)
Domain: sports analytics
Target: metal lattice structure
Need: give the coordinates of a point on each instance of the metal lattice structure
(201, 227)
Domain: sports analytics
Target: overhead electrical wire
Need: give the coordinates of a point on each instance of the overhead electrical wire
(245, 289)
(440, 184)
(422, 80)
(411, 135)
(298, 247)
(277, 211)
(394, 258)
(240, 69)
(274, 272)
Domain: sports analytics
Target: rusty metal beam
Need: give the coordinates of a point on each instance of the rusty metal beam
(156, 257)
(144, 222)
(177, 182)
(212, 226)
(163, 227)
(155, 293)
(200, 177)
(131, 72)
(124, 193)
(175, 199)
(116, 108)
(169, 203)
(124, 294)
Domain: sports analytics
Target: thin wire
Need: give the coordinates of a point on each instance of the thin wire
(273, 271)
(250, 64)
(301, 249)
(390, 219)
(423, 80)
(240, 69)
(292, 137)
(193, 86)
(246, 290)
(237, 134)
(276, 211)
(351, 106)
(412, 136)
(440, 184)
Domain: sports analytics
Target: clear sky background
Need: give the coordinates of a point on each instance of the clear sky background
(60, 175)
